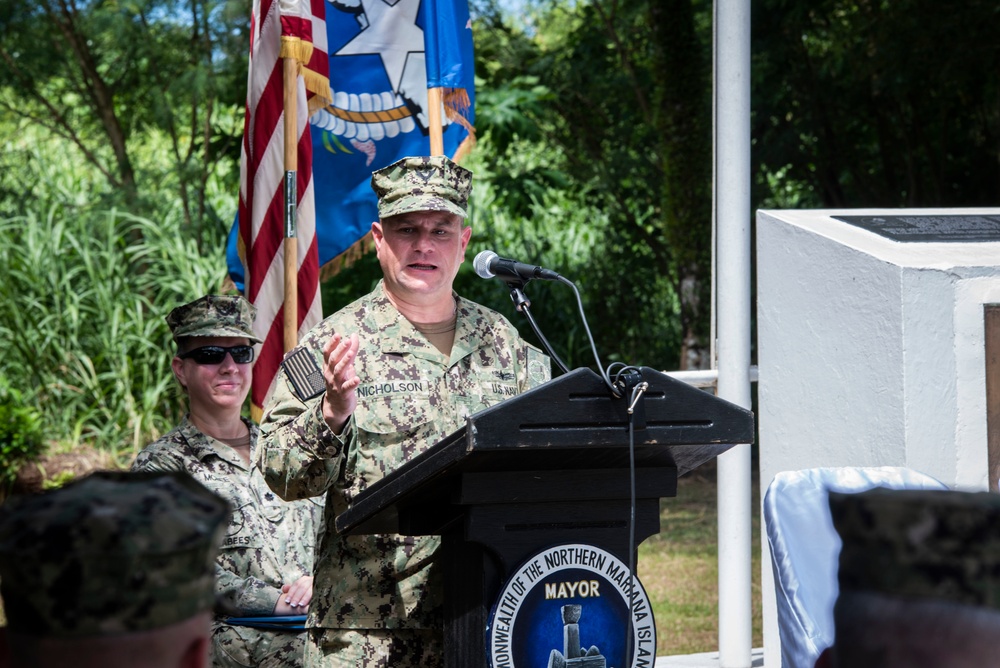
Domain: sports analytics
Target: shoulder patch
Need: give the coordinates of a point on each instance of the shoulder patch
(539, 366)
(304, 373)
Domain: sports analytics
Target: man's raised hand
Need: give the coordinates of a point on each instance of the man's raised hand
(341, 381)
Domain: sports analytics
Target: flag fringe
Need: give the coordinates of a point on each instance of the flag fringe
(297, 48)
(347, 259)
(319, 85)
(464, 148)
(316, 83)
(228, 287)
(456, 105)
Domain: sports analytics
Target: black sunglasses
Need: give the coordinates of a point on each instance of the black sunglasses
(215, 354)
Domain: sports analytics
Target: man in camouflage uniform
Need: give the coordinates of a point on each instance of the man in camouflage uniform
(391, 375)
(919, 580)
(114, 570)
(265, 566)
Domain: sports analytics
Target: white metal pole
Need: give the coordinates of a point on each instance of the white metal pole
(732, 146)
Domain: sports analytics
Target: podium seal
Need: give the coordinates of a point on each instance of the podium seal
(571, 606)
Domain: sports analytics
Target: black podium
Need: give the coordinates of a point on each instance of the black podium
(547, 467)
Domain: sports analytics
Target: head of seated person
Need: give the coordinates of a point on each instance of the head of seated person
(919, 579)
(214, 337)
(116, 569)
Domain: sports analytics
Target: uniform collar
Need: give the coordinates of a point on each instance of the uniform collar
(205, 446)
(398, 335)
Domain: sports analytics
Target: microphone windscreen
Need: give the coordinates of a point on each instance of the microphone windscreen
(482, 264)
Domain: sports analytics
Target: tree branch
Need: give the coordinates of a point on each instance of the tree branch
(61, 126)
(101, 97)
(608, 17)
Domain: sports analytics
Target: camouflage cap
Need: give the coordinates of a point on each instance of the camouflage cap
(422, 184)
(935, 544)
(115, 552)
(214, 315)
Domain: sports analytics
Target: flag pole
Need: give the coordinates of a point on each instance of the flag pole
(291, 300)
(435, 100)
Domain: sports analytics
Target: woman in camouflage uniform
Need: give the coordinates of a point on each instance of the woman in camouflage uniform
(265, 565)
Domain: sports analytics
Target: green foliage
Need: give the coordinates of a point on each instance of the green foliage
(21, 438)
(879, 103)
(593, 137)
(98, 76)
(35, 167)
(785, 192)
(58, 480)
(82, 307)
(506, 112)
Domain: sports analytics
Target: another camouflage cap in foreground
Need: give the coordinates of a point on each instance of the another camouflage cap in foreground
(422, 184)
(112, 553)
(214, 315)
(935, 544)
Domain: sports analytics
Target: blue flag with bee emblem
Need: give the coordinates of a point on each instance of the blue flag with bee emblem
(384, 55)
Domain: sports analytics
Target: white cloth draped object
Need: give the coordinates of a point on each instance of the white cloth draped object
(805, 549)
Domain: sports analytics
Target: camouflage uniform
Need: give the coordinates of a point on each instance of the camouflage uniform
(112, 553)
(268, 542)
(410, 397)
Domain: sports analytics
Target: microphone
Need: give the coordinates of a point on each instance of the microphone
(488, 264)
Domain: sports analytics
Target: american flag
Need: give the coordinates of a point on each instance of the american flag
(279, 28)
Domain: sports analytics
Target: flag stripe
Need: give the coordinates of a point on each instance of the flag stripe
(272, 181)
(262, 169)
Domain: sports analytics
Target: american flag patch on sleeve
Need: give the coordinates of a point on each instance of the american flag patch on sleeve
(304, 373)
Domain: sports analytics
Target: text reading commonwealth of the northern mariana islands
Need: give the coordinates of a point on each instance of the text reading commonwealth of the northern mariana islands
(611, 579)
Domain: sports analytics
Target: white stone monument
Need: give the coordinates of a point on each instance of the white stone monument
(871, 346)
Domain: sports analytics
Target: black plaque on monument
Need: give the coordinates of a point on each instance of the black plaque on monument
(940, 228)
(548, 467)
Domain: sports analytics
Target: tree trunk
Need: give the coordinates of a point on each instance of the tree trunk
(101, 95)
(683, 119)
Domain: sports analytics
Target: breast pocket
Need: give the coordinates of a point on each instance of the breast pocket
(244, 523)
(272, 508)
(394, 413)
(392, 430)
(483, 386)
(289, 527)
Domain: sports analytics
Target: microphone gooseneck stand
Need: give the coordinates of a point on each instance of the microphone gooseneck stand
(523, 304)
(627, 382)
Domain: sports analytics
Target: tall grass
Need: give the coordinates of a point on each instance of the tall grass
(84, 288)
(81, 319)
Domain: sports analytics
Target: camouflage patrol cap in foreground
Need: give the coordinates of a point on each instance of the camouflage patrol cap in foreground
(935, 544)
(422, 184)
(112, 553)
(214, 315)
